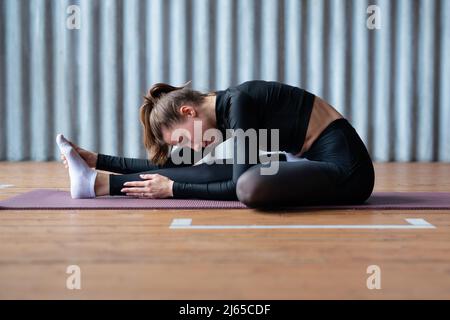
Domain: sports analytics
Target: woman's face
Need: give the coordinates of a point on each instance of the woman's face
(190, 132)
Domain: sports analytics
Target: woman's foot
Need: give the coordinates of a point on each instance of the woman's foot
(82, 178)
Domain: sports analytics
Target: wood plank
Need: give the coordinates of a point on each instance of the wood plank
(133, 254)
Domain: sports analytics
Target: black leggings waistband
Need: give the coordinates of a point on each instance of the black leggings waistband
(338, 123)
(338, 138)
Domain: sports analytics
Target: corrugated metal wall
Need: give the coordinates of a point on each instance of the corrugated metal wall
(393, 83)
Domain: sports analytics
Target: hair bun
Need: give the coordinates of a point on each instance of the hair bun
(159, 89)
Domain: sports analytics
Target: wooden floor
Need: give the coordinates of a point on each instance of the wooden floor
(134, 254)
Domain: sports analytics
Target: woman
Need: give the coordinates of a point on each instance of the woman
(335, 165)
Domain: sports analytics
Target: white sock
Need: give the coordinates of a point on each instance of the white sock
(82, 178)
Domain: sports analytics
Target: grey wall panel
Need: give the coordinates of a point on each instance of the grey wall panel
(16, 117)
(3, 137)
(443, 85)
(392, 83)
(110, 68)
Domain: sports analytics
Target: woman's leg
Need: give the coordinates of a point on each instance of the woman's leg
(88, 183)
(305, 183)
(294, 184)
(102, 184)
(336, 169)
(201, 173)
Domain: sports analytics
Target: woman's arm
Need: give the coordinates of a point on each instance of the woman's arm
(132, 165)
(242, 115)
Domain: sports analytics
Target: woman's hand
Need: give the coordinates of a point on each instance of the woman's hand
(88, 156)
(155, 186)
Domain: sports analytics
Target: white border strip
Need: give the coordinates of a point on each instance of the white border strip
(412, 224)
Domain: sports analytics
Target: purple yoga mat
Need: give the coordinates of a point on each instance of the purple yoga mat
(56, 199)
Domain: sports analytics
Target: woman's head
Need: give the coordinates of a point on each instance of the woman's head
(168, 115)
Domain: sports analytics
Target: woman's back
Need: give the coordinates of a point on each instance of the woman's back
(270, 105)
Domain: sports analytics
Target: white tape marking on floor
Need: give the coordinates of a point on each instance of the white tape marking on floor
(412, 224)
(4, 186)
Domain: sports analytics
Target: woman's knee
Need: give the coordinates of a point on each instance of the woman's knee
(249, 189)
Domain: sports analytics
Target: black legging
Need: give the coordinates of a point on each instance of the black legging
(336, 169)
(201, 173)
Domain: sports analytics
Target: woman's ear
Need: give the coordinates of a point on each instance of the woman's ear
(186, 110)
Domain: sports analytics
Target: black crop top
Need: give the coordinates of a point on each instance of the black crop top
(256, 104)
